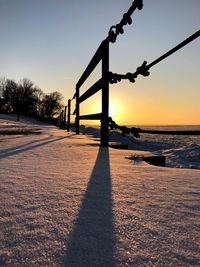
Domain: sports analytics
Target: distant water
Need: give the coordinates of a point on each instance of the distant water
(181, 151)
(174, 140)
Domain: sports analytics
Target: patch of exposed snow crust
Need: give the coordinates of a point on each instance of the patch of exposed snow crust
(183, 157)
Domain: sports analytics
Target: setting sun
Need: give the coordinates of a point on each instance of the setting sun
(112, 109)
(116, 110)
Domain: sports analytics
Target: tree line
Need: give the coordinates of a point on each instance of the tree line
(25, 98)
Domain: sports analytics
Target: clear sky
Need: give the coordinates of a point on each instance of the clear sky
(52, 41)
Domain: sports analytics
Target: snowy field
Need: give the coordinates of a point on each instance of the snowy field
(181, 151)
(67, 202)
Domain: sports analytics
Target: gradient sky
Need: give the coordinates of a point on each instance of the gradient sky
(52, 41)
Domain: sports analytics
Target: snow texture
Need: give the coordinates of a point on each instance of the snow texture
(65, 201)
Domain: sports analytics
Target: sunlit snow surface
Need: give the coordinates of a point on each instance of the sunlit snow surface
(182, 151)
(67, 202)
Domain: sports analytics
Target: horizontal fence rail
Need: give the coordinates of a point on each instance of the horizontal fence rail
(91, 91)
(91, 66)
(108, 77)
(101, 55)
(136, 131)
(97, 116)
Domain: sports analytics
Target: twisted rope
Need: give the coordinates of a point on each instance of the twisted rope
(144, 68)
(125, 130)
(135, 131)
(118, 28)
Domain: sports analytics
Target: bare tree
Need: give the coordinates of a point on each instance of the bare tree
(2, 86)
(27, 99)
(39, 95)
(52, 104)
(8, 89)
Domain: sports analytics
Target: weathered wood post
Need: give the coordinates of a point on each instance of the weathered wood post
(61, 119)
(64, 119)
(77, 110)
(105, 95)
(68, 115)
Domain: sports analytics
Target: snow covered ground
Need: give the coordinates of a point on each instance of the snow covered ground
(67, 202)
(180, 151)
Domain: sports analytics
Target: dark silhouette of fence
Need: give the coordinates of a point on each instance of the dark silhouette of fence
(69, 115)
(102, 55)
(144, 68)
(136, 131)
(65, 117)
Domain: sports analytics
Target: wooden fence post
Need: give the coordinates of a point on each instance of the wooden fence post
(77, 110)
(105, 95)
(60, 120)
(68, 115)
(62, 116)
(64, 119)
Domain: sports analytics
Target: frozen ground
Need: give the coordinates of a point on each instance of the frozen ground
(67, 202)
(180, 151)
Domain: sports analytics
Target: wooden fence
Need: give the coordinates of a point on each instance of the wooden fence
(102, 55)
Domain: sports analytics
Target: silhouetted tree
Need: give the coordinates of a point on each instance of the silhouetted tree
(39, 95)
(52, 104)
(8, 89)
(27, 99)
(2, 86)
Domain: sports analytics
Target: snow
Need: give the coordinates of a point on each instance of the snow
(177, 155)
(67, 202)
(184, 157)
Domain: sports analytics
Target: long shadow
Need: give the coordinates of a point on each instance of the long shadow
(29, 146)
(3, 151)
(92, 242)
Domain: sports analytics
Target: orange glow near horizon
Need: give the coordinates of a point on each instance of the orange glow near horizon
(133, 111)
(156, 100)
(116, 109)
(170, 95)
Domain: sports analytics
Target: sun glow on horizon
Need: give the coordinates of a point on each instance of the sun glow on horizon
(112, 110)
(116, 109)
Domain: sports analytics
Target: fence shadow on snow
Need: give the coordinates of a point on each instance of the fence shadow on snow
(92, 241)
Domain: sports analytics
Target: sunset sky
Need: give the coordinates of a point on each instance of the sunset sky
(52, 41)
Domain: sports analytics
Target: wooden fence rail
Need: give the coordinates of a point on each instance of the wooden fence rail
(102, 55)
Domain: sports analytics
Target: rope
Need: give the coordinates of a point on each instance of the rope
(118, 28)
(125, 130)
(144, 68)
(176, 48)
(135, 131)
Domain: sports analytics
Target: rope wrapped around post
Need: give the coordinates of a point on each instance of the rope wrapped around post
(135, 131)
(144, 68)
(118, 28)
(125, 130)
